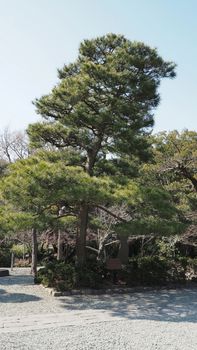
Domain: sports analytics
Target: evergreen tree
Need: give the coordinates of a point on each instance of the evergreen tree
(102, 108)
(174, 168)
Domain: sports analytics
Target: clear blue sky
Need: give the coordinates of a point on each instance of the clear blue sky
(39, 36)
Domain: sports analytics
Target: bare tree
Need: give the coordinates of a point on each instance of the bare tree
(106, 236)
(13, 145)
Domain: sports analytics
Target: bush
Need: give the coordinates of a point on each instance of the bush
(19, 250)
(88, 278)
(63, 276)
(143, 271)
(5, 257)
(146, 271)
(154, 270)
(57, 275)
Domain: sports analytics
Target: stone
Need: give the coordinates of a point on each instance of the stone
(4, 272)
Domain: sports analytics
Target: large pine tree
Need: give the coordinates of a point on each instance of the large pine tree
(102, 108)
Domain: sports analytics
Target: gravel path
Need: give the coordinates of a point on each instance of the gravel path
(153, 320)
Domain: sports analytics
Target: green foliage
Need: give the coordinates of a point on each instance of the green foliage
(103, 102)
(150, 225)
(12, 220)
(43, 183)
(96, 121)
(173, 169)
(19, 250)
(141, 271)
(88, 277)
(58, 275)
(5, 256)
(166, 247)
(154, 270)
(63, 276)
(39, 187)
(152, 210)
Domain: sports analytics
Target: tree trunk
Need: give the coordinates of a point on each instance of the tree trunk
(59, 246)
(81, 239)
(34, 253)
(83, 214)
(12, 261)
(124, 249)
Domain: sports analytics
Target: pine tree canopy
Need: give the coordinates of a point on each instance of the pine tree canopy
(103, 104)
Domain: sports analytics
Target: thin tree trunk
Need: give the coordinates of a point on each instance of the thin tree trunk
(12, 261)
(34, 253)
(81, 239)
(23, 248)
(83, 214)
(123, 253)
(59, 246)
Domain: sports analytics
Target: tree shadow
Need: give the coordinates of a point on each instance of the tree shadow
(6, 297)
(17, 280)
(163, 305)
(2, 291)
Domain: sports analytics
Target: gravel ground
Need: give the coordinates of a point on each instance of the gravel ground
(31, 319)
(19, 295)
(122, 335)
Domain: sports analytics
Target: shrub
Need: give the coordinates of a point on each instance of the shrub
(58, 275)
(147, 271)
(62, 276)
(88, 278)
(5, 257)
(19, 250)
(155, 270)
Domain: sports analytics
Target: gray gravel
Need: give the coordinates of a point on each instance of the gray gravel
(19, 295)
(32, 319)
(114, 335)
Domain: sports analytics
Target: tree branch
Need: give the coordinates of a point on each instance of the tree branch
(113, 242)
(112, 214)
(93, 249)
(64, 215)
